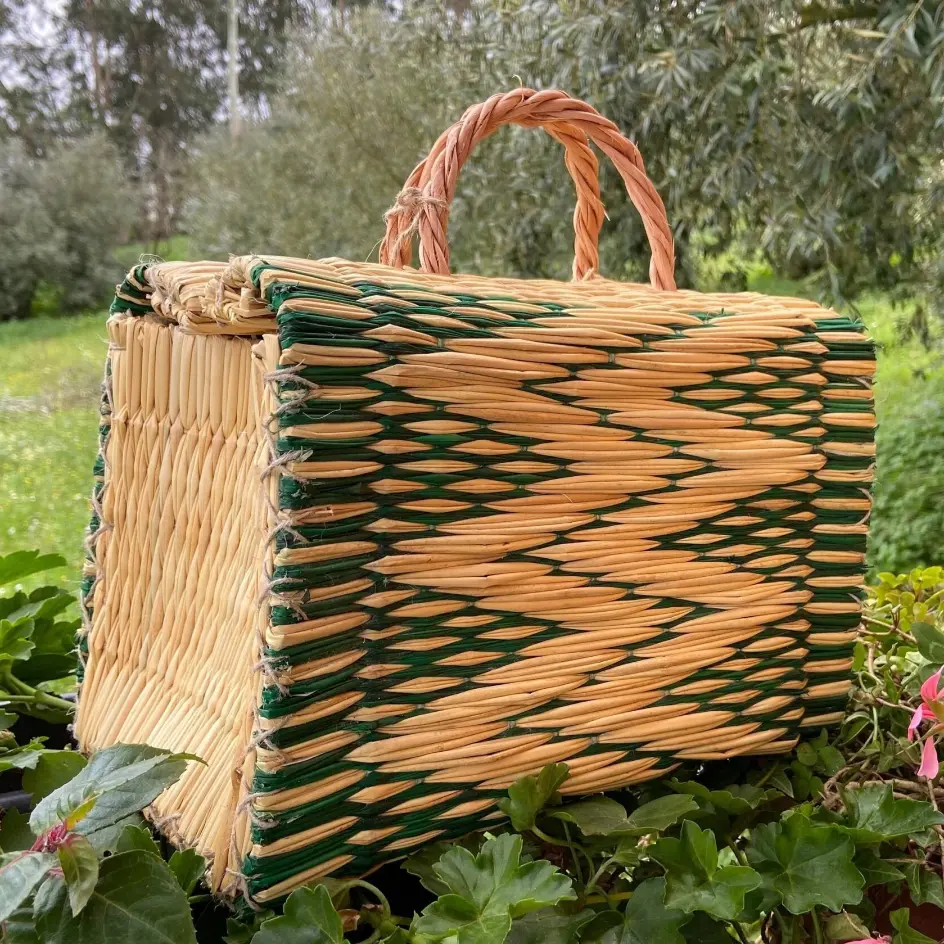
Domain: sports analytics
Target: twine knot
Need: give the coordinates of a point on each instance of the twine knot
(409, 204)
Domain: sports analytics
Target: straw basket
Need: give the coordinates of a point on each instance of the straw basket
(375, 542)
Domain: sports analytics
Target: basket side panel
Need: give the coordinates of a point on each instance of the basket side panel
(606, 530)
(175, 566)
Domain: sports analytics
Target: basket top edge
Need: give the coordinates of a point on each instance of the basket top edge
(240, 297)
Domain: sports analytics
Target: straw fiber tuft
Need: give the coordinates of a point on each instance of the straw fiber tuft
(375, 542)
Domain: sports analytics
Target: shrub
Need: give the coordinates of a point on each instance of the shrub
(60, 217)
(908, 512)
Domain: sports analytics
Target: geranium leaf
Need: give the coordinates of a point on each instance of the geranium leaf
(595, 816)
(20, 873)
(21, 564)
(79, 863)
(875, 870)
(693, 880)
(701, 929)
(308, 918)
(806, 864)
(529, 795)
(660, 813)
(421, 865)
(904, 934)
(136, 901)
(488, 890)
(845, 927)
(925, 886)
(647, 920)
(548, 926)
(930, 642)
(876, 815)
(188, 867)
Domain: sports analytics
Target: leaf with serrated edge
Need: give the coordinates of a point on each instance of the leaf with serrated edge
(20, 873)
(488, 890)
(647, 920)
(529, 795)
(188, 867)
(693, 880)
(548, 926)
(308, 918)
(136, 900)
(875, 815)
(124, 779)
(806, 864)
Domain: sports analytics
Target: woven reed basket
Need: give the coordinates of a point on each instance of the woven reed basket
(375, 542)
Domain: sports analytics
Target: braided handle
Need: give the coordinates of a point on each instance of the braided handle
(422, 206)
(403, 218)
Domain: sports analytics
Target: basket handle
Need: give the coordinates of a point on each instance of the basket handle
(422, 206)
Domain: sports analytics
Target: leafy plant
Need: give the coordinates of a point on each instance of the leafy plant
(37, 640)
(795, 850)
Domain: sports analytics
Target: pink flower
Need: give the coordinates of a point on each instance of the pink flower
(872, 940)
(931, 708)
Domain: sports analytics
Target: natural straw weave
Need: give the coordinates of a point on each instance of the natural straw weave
(376, 542)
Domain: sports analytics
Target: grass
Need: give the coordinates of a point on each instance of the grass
(50, 375)
(49, 387)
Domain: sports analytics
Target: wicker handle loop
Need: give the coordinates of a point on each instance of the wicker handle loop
(422, 206)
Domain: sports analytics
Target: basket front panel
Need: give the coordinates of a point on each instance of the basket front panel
(605, 530)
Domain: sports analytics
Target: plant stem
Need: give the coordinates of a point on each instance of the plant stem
(20, 692)
(739, 931)
(817, 928)
(373, 889)
(597, 876)
(738, 853)
(573, 852)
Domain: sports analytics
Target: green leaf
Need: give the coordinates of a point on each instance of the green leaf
(529, 795)
(830, 759)
(21, 564)
(877, 816)
(15, 643)
(548, 926)
(119, 780)
(693, 880)
(806, 864)
(487, 891)
(702, 929)
(735, 800)
(7, 720)
(601, 816)
(925, 886)
(137, 837)
(875, 870)
(106, 839)
(136, 900)
(930, 641)
(595, 816)
(15, 834)
(421, 865)
(188, 867)
(238, 932)
(660, 813)
(79, 863)
(903, 930)
(54, 769)
(19, 928)
(308, 918)
(806, 754)
(647, 920)
(845, 927)
(20, 873)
